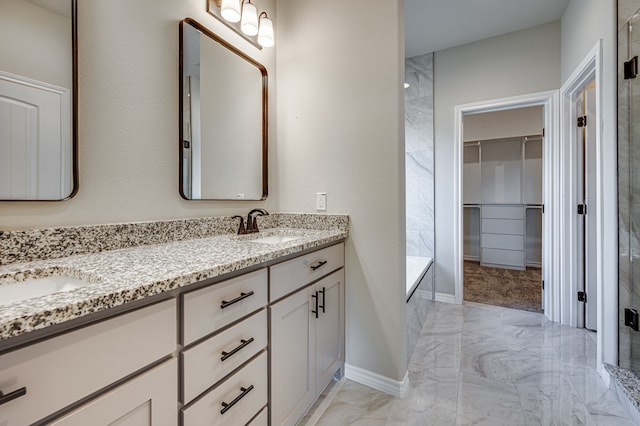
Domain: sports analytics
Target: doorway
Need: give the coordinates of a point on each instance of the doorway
(502, 194)
(586, 176)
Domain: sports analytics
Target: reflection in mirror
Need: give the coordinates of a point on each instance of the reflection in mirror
(223, 131)
(37, 99)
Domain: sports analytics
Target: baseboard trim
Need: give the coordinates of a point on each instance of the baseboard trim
(445, 298)
(396, 388)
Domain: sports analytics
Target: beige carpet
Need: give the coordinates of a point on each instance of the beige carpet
(503, 287)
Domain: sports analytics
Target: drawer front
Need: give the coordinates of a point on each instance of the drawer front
(503, 241)
(503, 226)
(503, 257)
(203, 365)
(503, 212)
(64, 369)
(211, 308)
(145, 400)
(287, 277)
(208, 410)
(261, 419)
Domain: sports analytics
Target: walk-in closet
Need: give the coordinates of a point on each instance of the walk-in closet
(503, 202)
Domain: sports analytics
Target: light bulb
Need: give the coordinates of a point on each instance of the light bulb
(230, 10)
(265, 33)
(249, 23)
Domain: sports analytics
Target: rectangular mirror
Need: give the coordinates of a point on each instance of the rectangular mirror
(38, 98)
(223, 120)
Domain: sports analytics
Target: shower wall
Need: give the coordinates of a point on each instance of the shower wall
(419, 155)
(628, 183)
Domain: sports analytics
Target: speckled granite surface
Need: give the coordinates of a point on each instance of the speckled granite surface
(123, 275)
(54, 243)
(628, 382)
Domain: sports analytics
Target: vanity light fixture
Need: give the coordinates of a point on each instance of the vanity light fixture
(265, 34)
(242, 16)
(249, 22)
(231, 10)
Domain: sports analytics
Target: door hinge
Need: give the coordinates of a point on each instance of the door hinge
(582, 121)
(582, 296)
(543, 284)
(543, 209)
(543, 132)
(631, 319)
(631, 68)
(582, 209)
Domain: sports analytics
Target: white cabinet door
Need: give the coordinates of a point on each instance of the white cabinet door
(328, 327)
(147, 400)
(292, 357)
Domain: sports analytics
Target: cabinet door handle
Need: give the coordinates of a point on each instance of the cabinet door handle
(242, 296)
(243, 344)
(226, 407)
(315, 296)
(318, 265)
(323, 299)
(12, 395)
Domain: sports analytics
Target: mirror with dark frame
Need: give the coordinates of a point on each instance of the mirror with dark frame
(223, 119)
(38, 100)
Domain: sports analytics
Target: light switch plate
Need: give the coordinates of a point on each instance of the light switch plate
(321, 201)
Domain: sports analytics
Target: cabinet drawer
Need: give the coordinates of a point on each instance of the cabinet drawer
(64, 369)
(503, 241)
(287, 277)
(203, 365)
(503, 226)
(211, 308)
(208, 410)
(502, 212)
(503, 257)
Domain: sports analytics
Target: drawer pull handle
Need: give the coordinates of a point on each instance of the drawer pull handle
(315, 296)
(318, 265)
(243, 344)
(226, 407)
(323, 298)
(12, 395)
(242, 296)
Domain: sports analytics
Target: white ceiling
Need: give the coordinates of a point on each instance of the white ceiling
(433, 25)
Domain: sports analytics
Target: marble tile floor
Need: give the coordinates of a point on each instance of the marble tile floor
(485, 365)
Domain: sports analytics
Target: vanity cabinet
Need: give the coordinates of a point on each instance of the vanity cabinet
(63, 370)
(254, 349)
(307, 333)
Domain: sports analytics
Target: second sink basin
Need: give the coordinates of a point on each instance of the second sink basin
(37, 287)
(275, 239)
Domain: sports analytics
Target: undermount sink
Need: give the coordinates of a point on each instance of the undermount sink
(37, 287)
(275, 239)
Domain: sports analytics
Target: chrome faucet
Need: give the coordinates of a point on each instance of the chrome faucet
(251, 225)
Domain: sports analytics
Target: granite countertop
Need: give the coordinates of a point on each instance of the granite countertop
(120, 276)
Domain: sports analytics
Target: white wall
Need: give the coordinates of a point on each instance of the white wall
(503, 124)
(128, 117)
(341, 130)
(583, 24)
(518, 63)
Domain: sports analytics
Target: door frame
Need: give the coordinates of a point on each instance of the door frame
(549, 100)
(589, 69)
